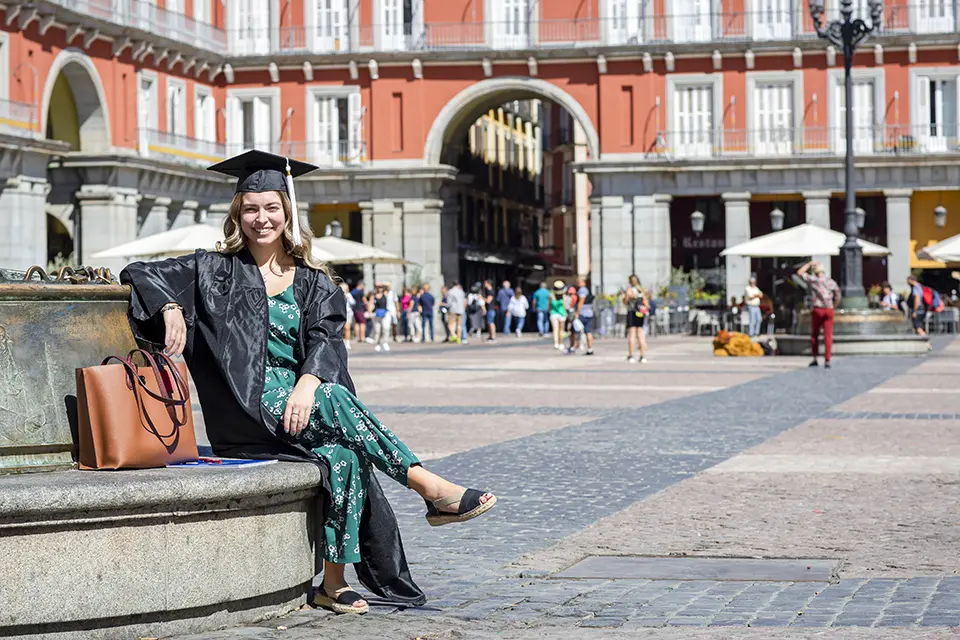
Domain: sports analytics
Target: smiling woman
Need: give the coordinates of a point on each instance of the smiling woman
(261, 328)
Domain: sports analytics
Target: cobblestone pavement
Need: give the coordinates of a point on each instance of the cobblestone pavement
(687, 455)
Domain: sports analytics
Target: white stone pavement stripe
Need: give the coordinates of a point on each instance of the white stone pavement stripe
(885, 465)
(910, 392)
(576, 387)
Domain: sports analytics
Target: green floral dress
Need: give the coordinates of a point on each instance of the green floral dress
(341, 430)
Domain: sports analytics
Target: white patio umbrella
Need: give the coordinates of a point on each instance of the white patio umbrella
(944, 251)
(800, 241)
(176, 242)
(334, 250)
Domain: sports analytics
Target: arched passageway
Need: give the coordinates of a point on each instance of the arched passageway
(74, 105)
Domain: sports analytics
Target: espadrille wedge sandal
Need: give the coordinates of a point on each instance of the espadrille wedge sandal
(341, 601)
(472, 504)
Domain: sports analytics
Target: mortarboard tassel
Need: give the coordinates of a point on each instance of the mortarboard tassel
(293, 205)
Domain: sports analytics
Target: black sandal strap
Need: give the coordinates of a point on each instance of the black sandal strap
(470, 501)
(348, 597)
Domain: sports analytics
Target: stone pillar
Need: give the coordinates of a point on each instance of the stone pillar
(898, 236)
(817, 209)
(643, 242)
(615, 241)
(597, 277)
(737, 215)
(449, 240)
(385, 232)
(366, 220)
(217, 213)
(183, 214)
(662, 240)
(581, 185)
(23, 242)
(154, 216)
(108, 217)
(423, 243)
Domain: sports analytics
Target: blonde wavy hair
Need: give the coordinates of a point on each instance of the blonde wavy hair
(234, 240)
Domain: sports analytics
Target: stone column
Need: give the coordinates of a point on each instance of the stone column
(737, 215)
(597, 276)
(643, 242)
(183, 214)
(108, 217)
(423, 242)
(217, 213)
(385, 232)
(449, 239)
(23, 242)
(366, 223)
(898, 236)
(662, 239)
(581, 201)
(817, 209)
(615, 241)
(154, 214)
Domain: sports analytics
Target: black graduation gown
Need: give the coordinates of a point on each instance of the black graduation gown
(225, 308)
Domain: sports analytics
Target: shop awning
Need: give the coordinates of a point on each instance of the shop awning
(168, 244)
(334, 250)
(800, 241)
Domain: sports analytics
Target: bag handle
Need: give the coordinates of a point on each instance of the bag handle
(139, 384)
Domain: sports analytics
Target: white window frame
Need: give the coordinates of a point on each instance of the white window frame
(5, 66)
(204, 92)
(795, 9)
(382, 42)
(670, 7)
(914, 9)
(930, 73)
(235, 146)
(835, 124)
(614, 36)
(154, 115)
(497, 40)
(202, 17)
(179, 127)
(681, 80)
(351, 9)
(356, 130)
(762, 77)
(273, 7)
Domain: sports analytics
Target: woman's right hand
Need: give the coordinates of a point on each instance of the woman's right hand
(175, 338)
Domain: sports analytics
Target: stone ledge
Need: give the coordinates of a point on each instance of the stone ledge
(857, 345)
(62, 495)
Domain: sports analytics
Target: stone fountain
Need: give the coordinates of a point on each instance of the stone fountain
(100, 554)
(859, 332)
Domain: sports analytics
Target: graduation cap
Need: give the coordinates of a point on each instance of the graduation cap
(259, 171)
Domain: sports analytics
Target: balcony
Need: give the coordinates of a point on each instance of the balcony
(18, 118)
(803, 142)
(789, 22)
(170, 146)
(145, 16)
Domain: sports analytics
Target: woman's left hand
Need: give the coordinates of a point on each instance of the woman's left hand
(296, 416)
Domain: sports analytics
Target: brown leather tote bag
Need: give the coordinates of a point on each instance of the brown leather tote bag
(133, 417)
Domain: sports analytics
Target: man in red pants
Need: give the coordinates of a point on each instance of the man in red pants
(824, 297)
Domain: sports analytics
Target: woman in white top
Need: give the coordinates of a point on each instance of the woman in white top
(517, 309)
(348, 325)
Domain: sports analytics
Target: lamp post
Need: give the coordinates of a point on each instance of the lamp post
(940, 216)
(697, 220)
(776, 219)
(847, 33)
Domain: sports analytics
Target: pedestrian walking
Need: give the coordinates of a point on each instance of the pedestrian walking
(427, 303)
(824, 297)
(406, 299)
(517, 311)
(414, 317)
(359, 310)
(393, 310)
(504, 296)
(638, 310)
(752, 297)
(381, 319)
(284, 325)
(558, 313)
(918, 311)
(456, 307)
(490, 312)
(476, 311)
(584, 312)
(891, 299)
(541, 304)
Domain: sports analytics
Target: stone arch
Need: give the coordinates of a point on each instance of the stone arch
(468, 105)
(89, 100)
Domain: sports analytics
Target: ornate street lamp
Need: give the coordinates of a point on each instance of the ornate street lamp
(776, 219)
(861, 218)
(847, 33)
(696, 222)
(940, 216)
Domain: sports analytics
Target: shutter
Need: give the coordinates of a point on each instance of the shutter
(234, 126)
(262, 134)
(356, 127)
(324, 122)
(923, 105)
(210, 115)
(171, 108)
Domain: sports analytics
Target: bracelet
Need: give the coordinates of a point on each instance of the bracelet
(169, 306)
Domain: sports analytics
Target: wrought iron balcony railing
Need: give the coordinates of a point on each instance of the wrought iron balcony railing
(146, 16)
(804, 141)
(18, 118)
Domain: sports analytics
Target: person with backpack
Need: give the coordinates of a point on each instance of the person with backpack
(638, 310)
(915, 307)
(558, 313)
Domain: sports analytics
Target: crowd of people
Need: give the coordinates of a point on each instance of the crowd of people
(564, 312)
